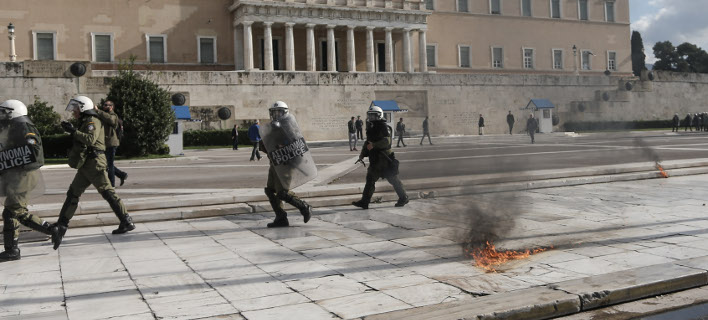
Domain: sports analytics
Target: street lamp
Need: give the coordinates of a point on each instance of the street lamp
(575, 60)
(11, 36)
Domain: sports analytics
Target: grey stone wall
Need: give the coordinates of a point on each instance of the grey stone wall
(324, 102)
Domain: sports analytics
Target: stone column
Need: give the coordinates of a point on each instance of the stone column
(311, 65)
(289, 47)
(351, 53)
(422, 51)
(370, 65)
(389, 50)
(267, 46)
(238, 48)
(331, 53)
(247, 46)
(407, 67)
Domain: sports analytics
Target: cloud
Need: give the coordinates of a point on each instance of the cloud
(677, 21)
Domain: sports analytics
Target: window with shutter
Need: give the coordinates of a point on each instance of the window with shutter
(102, 45)
(430, 51)
(585, 57)
(612, 61)
(465, 57)
(557, 59)
(528, 58)
(555, 9)
(45, 46)
(497, 58)
(583, 9)
(495, 6)
(610, 11)
(462, 6)
(206, 50)
(526, 8)
(157, 49)
(429, 5)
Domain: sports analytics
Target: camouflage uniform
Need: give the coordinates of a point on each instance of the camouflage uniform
(276, 194)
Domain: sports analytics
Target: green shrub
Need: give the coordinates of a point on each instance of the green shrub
(145, 109)
(44, 117)
(193, 138)
(615, 125)
(56, 145)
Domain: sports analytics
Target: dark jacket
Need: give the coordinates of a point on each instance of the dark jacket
(352, 128)
(676, 121)
(234, 134)
(359, 124)
(481, 122)
(425, 126)
(110, 122)
(531, 125)
(378, 136)
(687, 120)
(510, 118)
(253, 133)
(400, 127)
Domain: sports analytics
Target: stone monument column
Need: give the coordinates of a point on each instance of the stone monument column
(407, 67)
(331, 52)
(289, 47)
(389, 50)
(370, 66)
(247, 46)
(310, 30)
(422, 51)
(267, 46)
(351, 53)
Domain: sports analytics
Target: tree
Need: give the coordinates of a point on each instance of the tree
(44, 117)
(638, 56)
(145, 109)
(667, 58)
(692, 58)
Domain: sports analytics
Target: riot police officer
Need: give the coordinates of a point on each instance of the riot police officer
(20, 156)
(382, 161)
(277, 190)
(87, 155)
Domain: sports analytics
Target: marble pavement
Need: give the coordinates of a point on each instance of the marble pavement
(348, 263)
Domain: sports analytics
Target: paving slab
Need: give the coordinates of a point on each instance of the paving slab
(533, 303)
(298, 311)
(126, 303)
(633, 284)
(363, 304)
(191, 306)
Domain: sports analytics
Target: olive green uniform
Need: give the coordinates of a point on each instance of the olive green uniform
(276, 194)
(380, 157)
(87, 155)
(18, 182)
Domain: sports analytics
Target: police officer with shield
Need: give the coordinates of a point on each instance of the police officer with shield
(291, 163)
(20, 156)
(87, 155)
(382, 162)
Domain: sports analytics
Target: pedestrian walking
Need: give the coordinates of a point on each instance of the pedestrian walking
(400, 130)
(112, 126)
(531, 126)
(426, 132)
(382, 161)
(359, 128)
(234, 137)
(87, 156)
(697, 122)
(255, 138)
(351, 127)
(510, 121)
(687, 123)
(480, 123)
(275, 189)
(20, 140)
(675, 123)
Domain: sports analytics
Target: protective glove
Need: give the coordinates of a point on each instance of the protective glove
(68, 127)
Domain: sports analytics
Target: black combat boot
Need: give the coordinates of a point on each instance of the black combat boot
(12, 252)
(369, 189)
(58, 230)
(401, 202)
(126, 224)
(281, 217)
(45, 227)
(304, 207)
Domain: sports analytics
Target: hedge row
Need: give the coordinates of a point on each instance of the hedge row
(56, 145)
(193, 138)
(616, 125)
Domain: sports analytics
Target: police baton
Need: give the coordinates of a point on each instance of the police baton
(362, 162)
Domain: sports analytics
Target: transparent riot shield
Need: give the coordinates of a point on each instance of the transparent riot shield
(16, 182)
(288, 152)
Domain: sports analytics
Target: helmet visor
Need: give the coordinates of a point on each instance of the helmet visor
(5, 113)
(74, 104)
(276, 114)
(373, 116)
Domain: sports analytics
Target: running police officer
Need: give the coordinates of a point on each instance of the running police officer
(382, 162)
(21, 156)
(291, 163)
(87, 155)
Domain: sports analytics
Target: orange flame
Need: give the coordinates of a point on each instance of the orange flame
(661, 170)
(488, 258)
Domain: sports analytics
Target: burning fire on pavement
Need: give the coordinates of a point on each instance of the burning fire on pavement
(661, 170)
(488, 258)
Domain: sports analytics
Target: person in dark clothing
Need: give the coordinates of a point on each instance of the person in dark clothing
(426, 132)
(696, 122)
(481, 125)
(382, 161)
(510, 121)
(359, 128)
(687, 123)
(675, 123)
(351, 125)
(234, 137)
(531, 126)
(255, 138)
(705, 121)
(400, 130)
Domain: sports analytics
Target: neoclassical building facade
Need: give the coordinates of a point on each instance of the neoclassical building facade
(443, 36)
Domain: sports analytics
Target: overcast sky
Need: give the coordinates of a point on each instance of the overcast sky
(678, 21)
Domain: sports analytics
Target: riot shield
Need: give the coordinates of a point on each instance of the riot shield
(15, 153)
(288, 152)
